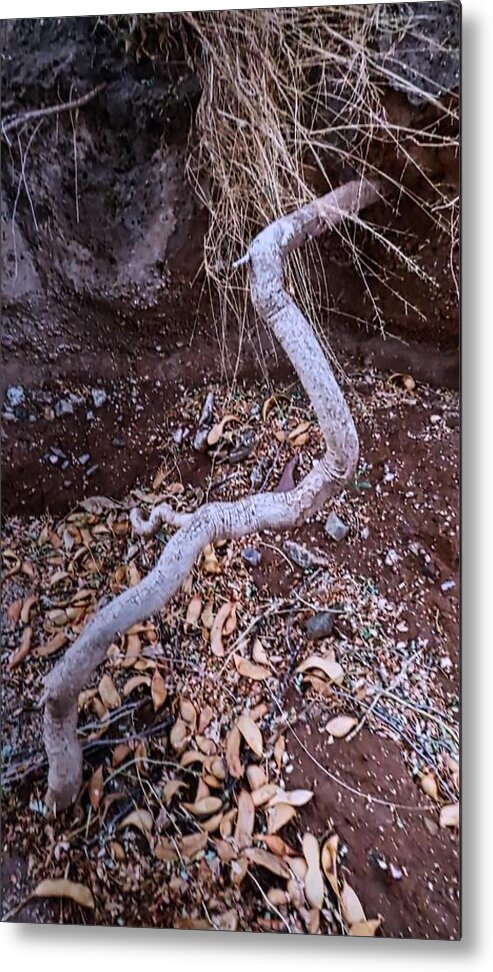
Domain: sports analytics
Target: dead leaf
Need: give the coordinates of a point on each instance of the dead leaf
(366, 929)
(251, 734)
(134, 649)
(259, 653)
(299, 430)
(164, 850)
(230, 623)
(245, 820)
(14, 610)
(216, 641)
(171, 788)
(263, 858)
(55, 644)
(450, 815)
(279, 750)
(96, 787)
(212, 824)
(330, 668)
(108, 693)
(193, 844)
(249, 670)
(207, 616)
(276, 844)
(264, 794)
(96, 504)
(295, 798)
(233, 753)
(279, 816)
(61, 888)
(429, 786)
(204, 807)
(217, 430)
(159, 691)
(341, 726)
(188, 713)
(23, 649)
(135, 682)
(255, 776)
(225, 851)
(178, 736)
(120, 753)
(141, 819)
(329, 862)
(314, 884)
(210, 563)
(26, 607)
(351, 907)
(194, 610)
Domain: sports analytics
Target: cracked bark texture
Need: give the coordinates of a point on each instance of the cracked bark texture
(222, 520)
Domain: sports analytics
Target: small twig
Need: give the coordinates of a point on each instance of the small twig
(13, 121)
(381, 694)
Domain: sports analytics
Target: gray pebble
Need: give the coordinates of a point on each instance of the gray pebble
(335, 528)
(15, 395)
(64, 407)
(251, 556)
(99, 396)
(319, 626)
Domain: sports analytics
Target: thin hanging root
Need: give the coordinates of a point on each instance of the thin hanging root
(216, 521)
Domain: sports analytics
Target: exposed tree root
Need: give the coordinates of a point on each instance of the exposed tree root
(219, 521)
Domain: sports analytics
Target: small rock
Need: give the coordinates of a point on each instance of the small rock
(58, 452)
(64, 407)
(304, 557)
(99, 396)
(177, 436)
(118, 442)
(76, 399)
(90, 416)
(53, 459)
(15, 395)
(84, 458)
(391, 558)
(92, 470)
(446, 663)
(335, 528)
(251, 556)
(447, 585)
(320, 625)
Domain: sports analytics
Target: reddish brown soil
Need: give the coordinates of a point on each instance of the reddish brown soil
(424, 902)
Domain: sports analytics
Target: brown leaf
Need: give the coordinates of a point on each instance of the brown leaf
(193, 844)
(55, 644)
(26, 607)
(249, 670)
(14, 610)
(287, 481)
(134, 649)
(23, 649)
(365, 929)
(251, 734)
(263, 858)
(188, 713)
(96, 787)
(233, 753)
(141, 819)
(171, 788)
(330, 668)
(158, 690)
(314, 884)
(245, 820)
(178, 736)
(108, 693)
(449, 815)
(299, 430)
(259, 653)
(329, 862)
(194, 610)
(135, 682)
(217, 430)
(230, 623)
(210, 563)
(429, 786)
(164, 850)
(255, 776)
(340, 726)
(205, 807)
(205, 718)
(216, 641)
(295, 798)
(279, 816)
(213, 823)
(225, 851)
(279, 750)
(120, 753)
(61, 888)
(263, 794)
(351, 907)
(276, 844)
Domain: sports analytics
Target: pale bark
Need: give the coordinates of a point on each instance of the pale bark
(218, 521)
